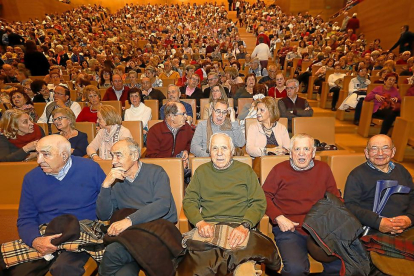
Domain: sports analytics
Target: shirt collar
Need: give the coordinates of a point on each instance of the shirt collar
(173, 130)
(391, 166)
(131, 179)
(64, 171)
(296, 168)
(226, 167)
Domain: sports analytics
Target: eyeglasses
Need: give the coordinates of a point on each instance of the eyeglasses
(375, 150)
(59, 119)
(181, 113)
(291, 88)
(222, 112)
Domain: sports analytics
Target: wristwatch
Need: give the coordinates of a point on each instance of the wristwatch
(246, 225)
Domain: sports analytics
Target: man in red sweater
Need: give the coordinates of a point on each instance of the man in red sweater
(292, 188)
(118, 92)
(172, 137)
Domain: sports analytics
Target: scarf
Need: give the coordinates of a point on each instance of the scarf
(22, 140)
(109, 139)
(362, 82)
(224, 127)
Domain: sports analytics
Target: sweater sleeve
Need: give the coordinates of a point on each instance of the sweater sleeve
(371, 95)
(251, 147)
(284, 113)
(282, 136)
(105, 204)
(198, 148)
(239, 138)
(28, 223)
(257, 200)
(192, 199)
(305, 112)
(76, 108)
(96, 142)
(80, 144)
(161, 202)
(353, 196)
(152, 143)
(270, 188)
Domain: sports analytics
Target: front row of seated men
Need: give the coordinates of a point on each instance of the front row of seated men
(223, 190)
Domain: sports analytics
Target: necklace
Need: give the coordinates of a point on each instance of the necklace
(93, 111)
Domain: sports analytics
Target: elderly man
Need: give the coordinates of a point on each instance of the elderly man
(118, 91)
(172, 137)
(173, 95)
(9, 73)
(61, 99)
(398, 214)
(396, 219)
(256, 69)
(168, 72)
(292, 188)
(270, 80)
(293, 106)
(224, 190)
(150, 93)
(218, 122)
(213, 80)
(62, 184)
(131, 184)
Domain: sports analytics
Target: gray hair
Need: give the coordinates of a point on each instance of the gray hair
(176, 88)
(301, 136)
(223, 134)
(132, 145)
(294, 81)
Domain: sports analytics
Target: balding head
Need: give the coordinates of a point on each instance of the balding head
(53, 153)
(379, 151)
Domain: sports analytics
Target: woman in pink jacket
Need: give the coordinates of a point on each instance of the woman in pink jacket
(267, 136)
(386, 102)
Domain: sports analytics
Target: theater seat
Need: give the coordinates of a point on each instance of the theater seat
(135, 127)
(153, 104)
(321, 128)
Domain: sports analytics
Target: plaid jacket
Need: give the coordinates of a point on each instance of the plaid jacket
(90, 241)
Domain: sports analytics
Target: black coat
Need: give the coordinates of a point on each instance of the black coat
(37, 63)
(335, 229)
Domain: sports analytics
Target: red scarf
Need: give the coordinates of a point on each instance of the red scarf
(22, 140)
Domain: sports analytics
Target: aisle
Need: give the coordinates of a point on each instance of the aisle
(248, 38)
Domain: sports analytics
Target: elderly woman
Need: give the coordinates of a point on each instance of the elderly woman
(278, 91)
(18, 136)
(64, 120)
(247, 91)
(138, 110)
(386, 102)
(217, 92)
(89, 113)
(234, 82)
(382, 73)
(20, 100)
(267, 136)
(111, 131)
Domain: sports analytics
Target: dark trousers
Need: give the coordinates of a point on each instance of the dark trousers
(64, 264)
(294, 253)
(358, 110)
(304, 78)
(335, 90)
(388, 115)
(117, 261)
(264, 63)
(318, 82)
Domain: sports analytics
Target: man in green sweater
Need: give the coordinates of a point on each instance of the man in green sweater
(225, 190)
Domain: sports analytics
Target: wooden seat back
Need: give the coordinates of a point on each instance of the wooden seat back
(321, 128)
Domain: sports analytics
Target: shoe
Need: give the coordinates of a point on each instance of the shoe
(333, 108)
(356, 123)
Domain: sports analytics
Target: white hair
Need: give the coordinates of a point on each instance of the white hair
(223, 134)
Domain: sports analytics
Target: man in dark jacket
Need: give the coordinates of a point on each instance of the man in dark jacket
(405, 41)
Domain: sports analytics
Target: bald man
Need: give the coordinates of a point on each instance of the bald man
(62, 184)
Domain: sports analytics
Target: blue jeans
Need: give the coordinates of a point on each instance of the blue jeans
(117, 261)
(294, 253)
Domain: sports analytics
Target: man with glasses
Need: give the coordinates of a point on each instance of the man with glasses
(61, 99)
(293, 106)
(218, 122)
(212, 80)
(171, 137)
(397, 218)
(270, 80)
(118, 92)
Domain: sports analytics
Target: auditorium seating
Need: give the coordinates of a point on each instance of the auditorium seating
(135, 127)
(153, 104)
(321, 128)
(114, 104)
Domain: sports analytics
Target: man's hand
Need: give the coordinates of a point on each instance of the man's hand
(232, 114)
(118, 227)
(114, 174)
(205, 229)
(43, 244)
(185, 155)
(286, 224)
(400, 223)
(386, 225)
(237, 236)
(59, 103)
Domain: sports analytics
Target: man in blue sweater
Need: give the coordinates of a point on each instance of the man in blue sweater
(131, 184)
(62, 184)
